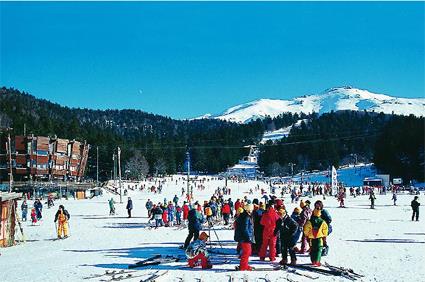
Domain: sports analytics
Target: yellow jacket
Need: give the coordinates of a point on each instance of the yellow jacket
(315, 228)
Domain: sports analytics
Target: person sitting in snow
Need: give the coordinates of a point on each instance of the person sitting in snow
(196, 252)
(315, 229)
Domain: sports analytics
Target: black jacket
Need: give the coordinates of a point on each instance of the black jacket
(65, 212)
(415, 205)
(287, 228)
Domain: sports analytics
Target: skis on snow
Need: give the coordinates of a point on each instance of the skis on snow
(110, 273)
(155, 260)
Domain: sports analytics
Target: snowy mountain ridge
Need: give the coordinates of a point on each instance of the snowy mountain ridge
(332, 99)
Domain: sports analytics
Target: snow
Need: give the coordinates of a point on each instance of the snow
(382, 244)
(278, 134)
(333, 99)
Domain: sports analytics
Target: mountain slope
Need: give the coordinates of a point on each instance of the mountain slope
(333, 99)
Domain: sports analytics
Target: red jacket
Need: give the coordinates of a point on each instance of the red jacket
(165, 216)
(225, 209)
(237, 205)
(268, 220)
(185, 211)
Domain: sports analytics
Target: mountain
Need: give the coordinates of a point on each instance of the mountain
(333, 99)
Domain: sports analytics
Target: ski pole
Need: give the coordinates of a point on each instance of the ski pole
(56, 229)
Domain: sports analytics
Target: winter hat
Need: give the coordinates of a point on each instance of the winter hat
(297, 210)
(317, 213)
(302, 204)
(249, 207)
(203, 236)
(240, 210)
(307, 203)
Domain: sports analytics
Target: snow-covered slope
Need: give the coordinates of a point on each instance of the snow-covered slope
(280, 133)
(333, 99)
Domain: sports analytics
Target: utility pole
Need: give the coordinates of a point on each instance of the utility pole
(9, 149)
(119, 172)
(97, 166)
(114, 176)
(188, 172)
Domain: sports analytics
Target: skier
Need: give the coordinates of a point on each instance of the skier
(171, 211)
(315, 229)
(225, 210)
(268, 220)
(185, 211)
(24, 208)
(62, 216)
(195, 219)
(129, 206)
(288, 229)
(175, 200)
(179, 211)
(149, 206)
(111, 207)
(157, 215)
(38, 209)
(244, 235)
(341, 196)
(372, 199)
(328, 219)
(304, 217)
(394, 198)
(197, 251)
(33, 216)
(415, 207)
(258, 228)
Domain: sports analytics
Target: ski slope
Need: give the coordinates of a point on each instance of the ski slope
(382, 244)
(332, 99)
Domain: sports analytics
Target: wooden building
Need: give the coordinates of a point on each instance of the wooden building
(44, 158)
(8, 204)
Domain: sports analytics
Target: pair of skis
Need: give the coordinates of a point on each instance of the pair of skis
(155, 260)
(120, 275)
(331, 271)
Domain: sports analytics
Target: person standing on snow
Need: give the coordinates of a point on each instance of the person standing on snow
(111, 206)
(315, 229)
(394, 198)
(195, 219)
(328, 219)
(269, 220)
(415, 207)
(129, 206)
(304, 217)
(372, 199)
(287, 227)
(38, 209)
(24, 208)
(225, 210)
(244, 235)
(62, 216)
(149, 206)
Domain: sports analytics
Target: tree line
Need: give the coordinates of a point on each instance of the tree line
(394, 143)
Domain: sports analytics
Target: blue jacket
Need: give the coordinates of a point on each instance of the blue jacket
(244, 232)
(195, 220)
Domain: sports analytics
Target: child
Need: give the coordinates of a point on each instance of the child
(33, 216)
(197, 251)
(315, 229)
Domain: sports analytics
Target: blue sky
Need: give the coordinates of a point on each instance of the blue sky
(187, 59)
